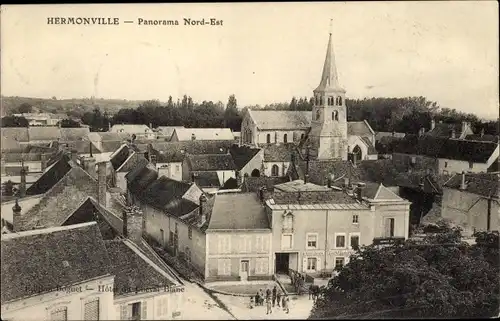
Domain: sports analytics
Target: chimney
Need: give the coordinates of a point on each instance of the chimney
(89, 166)
(101, 183)
(329, 182)
(202, 209)
(16, 216)
(109, 126)
(22, 186)
(433, 123)
(193, 176)
(74, 155)
(3, 166)
(453, 134)
(132, 223)
(359, 191)
(306, 178)
(463, 186)
(239, 178)
(90, 148)
(43, 162)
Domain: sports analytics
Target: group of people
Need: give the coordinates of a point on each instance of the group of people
(271, 298)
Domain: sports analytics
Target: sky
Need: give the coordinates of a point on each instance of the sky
(262, 52)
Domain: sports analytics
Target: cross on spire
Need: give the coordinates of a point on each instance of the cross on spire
(331, 26)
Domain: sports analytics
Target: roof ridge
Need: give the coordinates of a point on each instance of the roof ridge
(46, 230)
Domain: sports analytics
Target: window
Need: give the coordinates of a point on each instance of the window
(471, 165)
(286, 241)
(261, 266)
(162, 307)
(288, 222)
(177, 168)
(321, 100)
(224, 244)
(275, 171)
(445, 164)
(312, 241)
(190, 233)
(59, 314)
(162, 236)
(413, 159)
(91, 310)
(389, 227)
(340, 101)
(339, 262)
(340, 241)
(268, 138)
(354, 241)
(312, 263)
(224, 267)
(330, 101)
(318, 113)
(285, 138)
(355, 219)
(245, 243)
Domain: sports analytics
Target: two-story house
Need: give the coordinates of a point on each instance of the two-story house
(56, 273)
(471, 201)
(315, 228)
(139, 130)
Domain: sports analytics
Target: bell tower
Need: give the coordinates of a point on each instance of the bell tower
(328, 136)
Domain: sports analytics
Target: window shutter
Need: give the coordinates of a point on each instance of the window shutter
(117, 312)
(319, 267)
(144, 313)
(258, 243)
(159, 307)
(123, 314)
(387, 227)
(265, 243)
(219, 243)
(304, 264)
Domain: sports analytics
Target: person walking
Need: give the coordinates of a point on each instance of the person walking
(283, 303)
(268, 305)
(286, 304)
(274, 296)
(268, 293)
(278, 297)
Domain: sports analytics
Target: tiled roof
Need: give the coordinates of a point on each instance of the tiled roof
(50, 177)
(164, 190)
(130, 129)
(211, 162)
(484, 138)
(207, 179)
(74, 134)
(132, 269)
(444, 130)
(419, 180)
(111, 146)
(62, 199)
(17, 157)
(484, 184)
(494, 166)
(174, 152)
(376, 191)
(359, 128)
(369, 145)
(299, 186)
(253, 184)
(39, 260)
(82, 147)
(235, 211)
(167, 131)
(274, 119)
(312, 197)
(132, 162)
(140, 178)
(12, 136)
(107, 136)
(242, 155)
(44, 133)
(457, 149)
(120, 156)
(380, 135)
(185, 134)
(278, 153)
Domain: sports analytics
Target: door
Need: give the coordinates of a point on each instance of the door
(244, 270)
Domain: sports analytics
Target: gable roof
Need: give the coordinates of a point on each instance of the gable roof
(297, 192)
(444, 130)
(175, 152)
(108, 136)
(82, 147)
(207, 179)
(369, 145)
(211, 162)
(242, 155)
(237, 211)
(120, 156)
(134, 270)
(378, 192)
(359, 128)
(164, 190)
(111, 146)
(281, 119)
(74, 134)
(457, 149)
(46, 133)
(380, 135)
(254, 184)
(51, 176)
(278, 153)
(62, 199)
(33, 261)
(132, 161)
(483, 184)
(130, 128)
(12, 137)
(140, 178)
(185, 134)
(167, 131)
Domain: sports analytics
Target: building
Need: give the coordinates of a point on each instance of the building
(248, 160)
(326, 128)
(187, 134)
(140, 131)
(166, 132)
(42, 119)
(315, 228)
(471, 201)
(100, 138)
(220, 164)
(63, 283)
(447, 130)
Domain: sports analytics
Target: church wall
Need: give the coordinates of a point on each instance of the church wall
(277, 136)
(282, 168)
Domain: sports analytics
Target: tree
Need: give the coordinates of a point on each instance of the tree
(14, 121)
(439, 276)
(69, 123)
(25, 108)
(232, 118)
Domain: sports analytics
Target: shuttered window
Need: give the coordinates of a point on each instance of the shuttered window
(144, 312)
(91, 310)
(59, 314)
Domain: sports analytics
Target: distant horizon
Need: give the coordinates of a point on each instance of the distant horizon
(264, 53)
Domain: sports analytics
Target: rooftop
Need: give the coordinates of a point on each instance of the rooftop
(300, 186)
(186, 134)
(211, 162)
(483, 184)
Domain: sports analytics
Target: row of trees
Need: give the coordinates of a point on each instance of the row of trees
(438, 277)
(15, 121)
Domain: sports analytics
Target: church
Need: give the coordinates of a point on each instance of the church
(325, 129)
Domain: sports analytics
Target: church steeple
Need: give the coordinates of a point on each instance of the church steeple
(329, 77)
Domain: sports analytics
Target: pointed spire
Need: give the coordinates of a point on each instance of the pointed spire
(329, 77)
